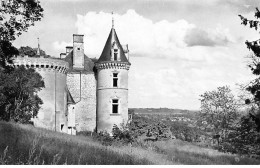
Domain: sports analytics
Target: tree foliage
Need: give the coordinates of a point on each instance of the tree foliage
(218, 110)
(19, 101)
(243, 139)
(254, 65)
(18, 86)
(7, 51)
(16, 16)
(151, 128)
(29, 51)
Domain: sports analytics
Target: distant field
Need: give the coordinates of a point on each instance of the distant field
(161, 111)
(24, 144)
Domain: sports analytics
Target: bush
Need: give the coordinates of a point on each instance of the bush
(142, 126)
(104, 138)
(124, 135)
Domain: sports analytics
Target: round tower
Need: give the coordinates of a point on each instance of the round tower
(53, 112)
(112, 85)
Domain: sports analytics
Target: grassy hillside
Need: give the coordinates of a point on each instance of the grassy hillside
(24, 144)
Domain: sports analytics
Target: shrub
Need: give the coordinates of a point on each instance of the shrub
(104, 138)
(125, 135)
(141, 126)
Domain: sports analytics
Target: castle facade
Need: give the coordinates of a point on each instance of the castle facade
(82, 94)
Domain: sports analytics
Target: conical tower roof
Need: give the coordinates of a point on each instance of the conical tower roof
(106, 53)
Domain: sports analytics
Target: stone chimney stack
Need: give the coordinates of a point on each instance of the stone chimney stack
(68, 49)
(78, 51)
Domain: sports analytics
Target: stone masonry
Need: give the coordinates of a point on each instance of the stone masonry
(82, 87)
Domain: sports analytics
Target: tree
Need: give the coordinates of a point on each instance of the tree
(7, 51)
(31, 52)
(19, 101)
(254, 65)
(16, 16)
(244, 139)
(218, 110)
(18, 87)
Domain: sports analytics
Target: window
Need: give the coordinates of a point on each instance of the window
(115, 106)
(61, 127)
(115, 79)
(115, 54)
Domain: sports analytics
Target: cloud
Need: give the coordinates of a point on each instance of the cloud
(240, 6)
(60, 46)
(200, 37)
(162, 39)
(166, 71)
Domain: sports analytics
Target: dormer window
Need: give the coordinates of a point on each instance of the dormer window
(115, 53)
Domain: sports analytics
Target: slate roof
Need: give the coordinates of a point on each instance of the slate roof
(88, 63)
(106, 54)
(70, 99)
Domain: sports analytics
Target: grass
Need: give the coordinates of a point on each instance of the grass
(190, 154)
(25, 144)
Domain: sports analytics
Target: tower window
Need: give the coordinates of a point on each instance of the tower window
(115, 79)
(115, 106)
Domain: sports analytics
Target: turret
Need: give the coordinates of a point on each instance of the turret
(112, 85)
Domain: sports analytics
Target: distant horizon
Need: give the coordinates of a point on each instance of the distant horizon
(163, 108)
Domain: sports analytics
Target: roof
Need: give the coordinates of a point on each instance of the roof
(70, 99)
(88, 63)
(106, 53)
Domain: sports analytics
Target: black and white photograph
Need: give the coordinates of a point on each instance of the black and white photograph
(129, 82)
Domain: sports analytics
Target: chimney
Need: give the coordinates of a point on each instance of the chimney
(78, 51)
(62, 55)
(68, 49)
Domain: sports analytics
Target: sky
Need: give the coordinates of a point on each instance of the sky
(179, 49)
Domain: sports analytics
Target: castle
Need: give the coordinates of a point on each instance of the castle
(81, 94)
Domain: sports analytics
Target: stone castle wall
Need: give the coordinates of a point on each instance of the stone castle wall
(82, 86)
(53, 111)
